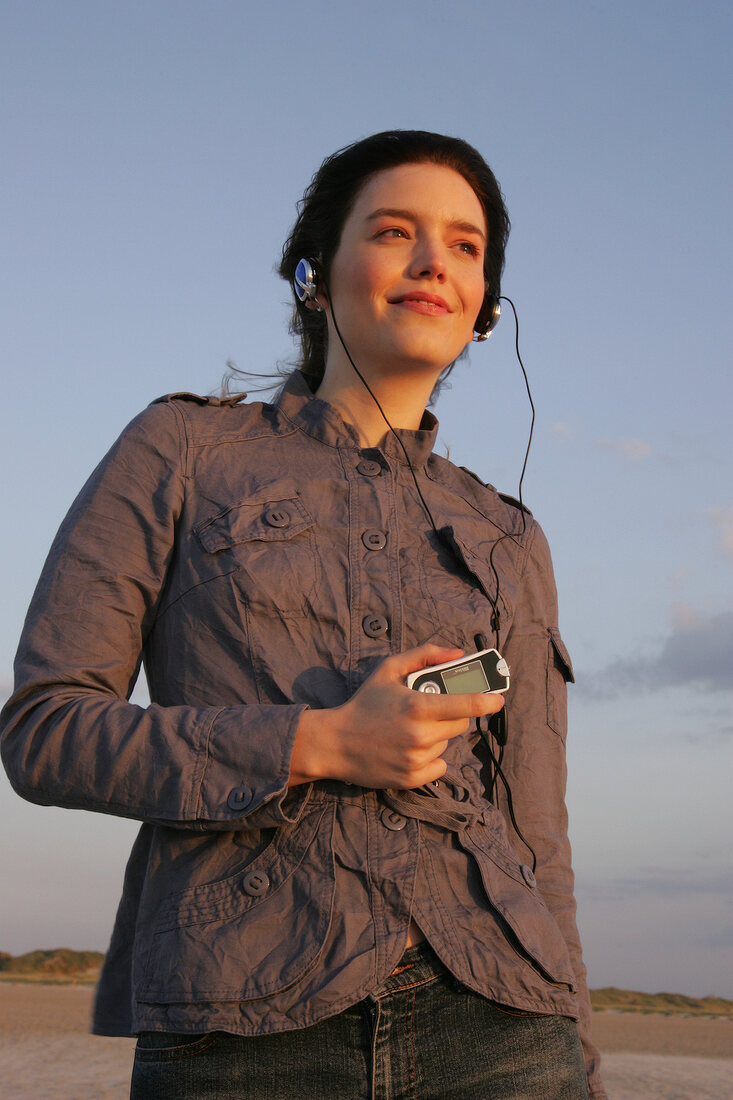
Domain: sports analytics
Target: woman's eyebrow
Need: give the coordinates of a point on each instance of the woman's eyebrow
(410, 215)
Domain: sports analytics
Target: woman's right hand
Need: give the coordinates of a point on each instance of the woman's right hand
(387, 735)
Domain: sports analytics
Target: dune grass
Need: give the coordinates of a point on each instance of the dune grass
(63, 966)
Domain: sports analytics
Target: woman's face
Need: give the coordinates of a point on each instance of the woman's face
(407, 280)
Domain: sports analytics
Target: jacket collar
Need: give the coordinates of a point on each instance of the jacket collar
(323, 422)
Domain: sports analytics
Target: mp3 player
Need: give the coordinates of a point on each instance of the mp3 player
(485, 671)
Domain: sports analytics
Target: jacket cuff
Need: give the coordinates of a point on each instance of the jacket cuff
(245, 780)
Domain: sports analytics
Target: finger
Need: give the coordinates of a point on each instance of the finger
(447, 708)
(412, 660)
(428, 774)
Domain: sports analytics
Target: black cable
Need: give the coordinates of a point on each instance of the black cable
(496, 763)
(384, 417)
(494, 601)
(496, 617)
(503, 298)
(505, 534)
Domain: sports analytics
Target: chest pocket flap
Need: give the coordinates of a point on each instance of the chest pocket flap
(271, 539)
(500, 596)
(273, 517)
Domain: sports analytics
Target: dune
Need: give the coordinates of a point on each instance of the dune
(46, 1051)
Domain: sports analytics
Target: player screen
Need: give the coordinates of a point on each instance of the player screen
(466, 678)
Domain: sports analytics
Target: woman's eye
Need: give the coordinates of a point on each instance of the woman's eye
(469, 248)
(392, 232)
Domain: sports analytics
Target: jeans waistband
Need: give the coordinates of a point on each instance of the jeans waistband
(418, 965)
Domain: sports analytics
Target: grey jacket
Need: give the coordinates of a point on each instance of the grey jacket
(260, 562)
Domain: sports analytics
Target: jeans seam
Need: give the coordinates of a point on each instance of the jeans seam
(174, 1054)
(409, 986)
(412, 1064)
(377, 1012)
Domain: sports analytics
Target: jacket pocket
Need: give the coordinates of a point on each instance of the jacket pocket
(532, 930)
(559, 673)
(269, 538)
(460, 590)
(252, 934)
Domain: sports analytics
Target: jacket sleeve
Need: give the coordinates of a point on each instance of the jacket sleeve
(535, 763)
(69, 735)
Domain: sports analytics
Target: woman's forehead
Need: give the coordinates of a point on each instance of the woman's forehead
(424, 187)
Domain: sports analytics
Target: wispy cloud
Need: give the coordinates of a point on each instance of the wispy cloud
(722, 520)
(627, 447)
(562, 430)
(697, 652)
(661, 882)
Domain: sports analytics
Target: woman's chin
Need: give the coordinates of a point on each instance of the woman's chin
(417, 356)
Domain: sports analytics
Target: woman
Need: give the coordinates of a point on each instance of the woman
(322, 901)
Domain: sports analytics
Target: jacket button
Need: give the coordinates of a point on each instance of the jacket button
(374, 626)
(369, 468)
(277, 517)
(528, 875)
(392, 820)
(374, 539)
(239, 798)
(255, 883)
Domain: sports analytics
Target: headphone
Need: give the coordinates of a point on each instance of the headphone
(488, 316)
(305, 285)
(305, 280)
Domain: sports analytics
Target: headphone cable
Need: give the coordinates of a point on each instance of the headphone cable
(497, 771)
(384, 415)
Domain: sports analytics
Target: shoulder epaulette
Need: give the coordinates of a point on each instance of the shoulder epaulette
(503, 496)
(184, 395)
(475, 477)
(515, 503)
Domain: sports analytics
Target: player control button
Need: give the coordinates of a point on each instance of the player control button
(430, 688)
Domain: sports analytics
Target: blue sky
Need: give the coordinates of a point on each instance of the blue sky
(153, 155)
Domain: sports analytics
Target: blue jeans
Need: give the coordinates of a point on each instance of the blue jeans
(420, 1036)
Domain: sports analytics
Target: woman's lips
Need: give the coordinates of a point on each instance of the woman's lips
(430, 304)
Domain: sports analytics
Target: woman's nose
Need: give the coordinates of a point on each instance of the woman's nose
(428, 261)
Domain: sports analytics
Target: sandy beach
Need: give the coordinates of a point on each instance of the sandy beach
(46, 1052)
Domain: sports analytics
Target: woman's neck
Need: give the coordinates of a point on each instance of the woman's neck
(402, 399)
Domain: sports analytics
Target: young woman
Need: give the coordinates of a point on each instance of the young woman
(328, 896)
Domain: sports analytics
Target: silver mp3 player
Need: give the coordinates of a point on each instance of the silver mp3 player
(485, 671)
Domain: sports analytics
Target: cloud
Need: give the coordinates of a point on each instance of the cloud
(722, 519)
(627, 447)
(661, 882)
(698, 652)
(664, 883)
